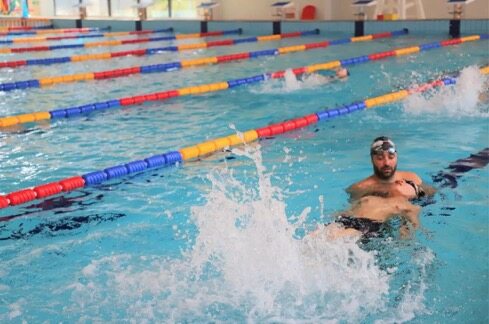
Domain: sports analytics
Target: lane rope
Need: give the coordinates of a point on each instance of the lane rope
(178, 65)
(91, 35)
(86, 109)
(30, 31)
(115, 42)
(210, 146)
(152, 51)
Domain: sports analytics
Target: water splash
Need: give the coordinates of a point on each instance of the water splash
(412, 300)
(245, 265)
(461, 99)
(292, 83)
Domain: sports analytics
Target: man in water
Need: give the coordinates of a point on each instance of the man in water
(385, 194)
(341, 73)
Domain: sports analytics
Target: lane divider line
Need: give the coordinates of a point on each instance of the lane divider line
(111, 43)
(17, 31)
(210, 146)
(219, 86)
(150, 51)
(178, 65)
(98, 35)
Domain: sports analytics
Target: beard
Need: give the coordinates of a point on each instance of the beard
(385, 173)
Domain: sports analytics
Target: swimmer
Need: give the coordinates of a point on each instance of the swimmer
(341, 73)
(387, 181)
(385, 194)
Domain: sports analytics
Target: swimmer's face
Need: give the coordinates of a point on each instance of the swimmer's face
(342, 73)
(385, 164)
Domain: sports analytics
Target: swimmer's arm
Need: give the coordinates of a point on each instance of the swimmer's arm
(427, 189)
(410, 215)
(356, 191)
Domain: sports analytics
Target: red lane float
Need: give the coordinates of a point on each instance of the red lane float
(21, 196)
(72, 183)
(48, 189)
(317, 45)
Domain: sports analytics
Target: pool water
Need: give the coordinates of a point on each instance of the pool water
(225, 238)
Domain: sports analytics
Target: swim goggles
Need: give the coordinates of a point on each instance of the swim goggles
(383, 145)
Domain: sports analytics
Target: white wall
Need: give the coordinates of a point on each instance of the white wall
(262, 9)
(338, 9)
(434, 9)
(46, 8)
(439, 9)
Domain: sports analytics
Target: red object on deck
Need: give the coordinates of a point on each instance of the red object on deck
(308, 13)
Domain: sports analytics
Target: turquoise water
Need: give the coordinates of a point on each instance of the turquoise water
(224, 238)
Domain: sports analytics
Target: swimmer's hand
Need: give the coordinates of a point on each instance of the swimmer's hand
(410, 221)
(405, 232)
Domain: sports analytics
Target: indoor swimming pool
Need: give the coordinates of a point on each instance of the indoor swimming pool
(223, 237)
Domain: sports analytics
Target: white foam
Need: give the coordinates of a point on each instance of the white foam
(15, 309)
(412, 301)
(245, 261)
(291, 83)
(461, 99)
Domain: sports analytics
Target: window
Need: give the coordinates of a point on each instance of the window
(185, 8)
(159, 9)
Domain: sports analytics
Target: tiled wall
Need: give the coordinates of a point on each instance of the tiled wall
(427, 26)
(475, 26)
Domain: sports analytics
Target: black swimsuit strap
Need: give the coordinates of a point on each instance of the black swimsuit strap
(417, 190)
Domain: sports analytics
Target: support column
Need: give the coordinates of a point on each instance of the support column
(139, 25)
(359, 28)
(203, 26)
(277, 27)
(454, 28)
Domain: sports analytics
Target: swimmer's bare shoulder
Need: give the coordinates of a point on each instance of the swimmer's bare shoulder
(357, 189)
(411, 176)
